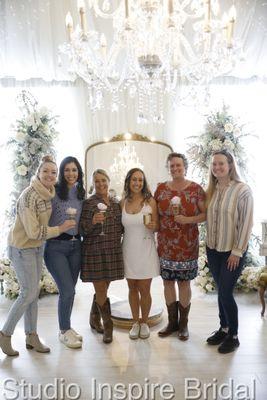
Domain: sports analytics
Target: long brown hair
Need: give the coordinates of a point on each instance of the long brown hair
(127, 191)
(233, 174)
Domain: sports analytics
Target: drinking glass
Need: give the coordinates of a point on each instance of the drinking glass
(147, 218)
(102, 233)
(71, 216)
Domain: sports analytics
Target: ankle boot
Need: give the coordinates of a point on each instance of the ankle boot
(33, 342)
(95, 317)
(172, 320)
(5, 344)
(105, 313)
(183, 333)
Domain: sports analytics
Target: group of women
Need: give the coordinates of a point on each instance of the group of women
(104, 240)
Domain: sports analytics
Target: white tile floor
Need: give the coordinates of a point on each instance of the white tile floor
(143, 362)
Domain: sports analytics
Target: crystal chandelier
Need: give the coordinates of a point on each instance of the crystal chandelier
(157, 45)
(125, 160)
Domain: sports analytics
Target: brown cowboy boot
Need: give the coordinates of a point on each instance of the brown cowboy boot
(172, 320)
(95, 318)
(183, 333)
(105, 313)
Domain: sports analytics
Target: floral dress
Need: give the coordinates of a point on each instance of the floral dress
(178, 243)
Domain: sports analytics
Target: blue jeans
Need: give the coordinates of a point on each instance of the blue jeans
(63, 261)
(28, 265)
(225, 281)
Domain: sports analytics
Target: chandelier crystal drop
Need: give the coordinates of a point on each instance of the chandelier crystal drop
(157, 46)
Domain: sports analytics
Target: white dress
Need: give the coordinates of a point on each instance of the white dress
(139, 248)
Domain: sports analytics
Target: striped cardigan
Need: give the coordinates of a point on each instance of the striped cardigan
(230, 218)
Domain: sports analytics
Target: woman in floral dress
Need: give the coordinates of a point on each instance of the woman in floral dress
(181, 207)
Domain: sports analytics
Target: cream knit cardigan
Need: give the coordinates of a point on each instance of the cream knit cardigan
(33, 212)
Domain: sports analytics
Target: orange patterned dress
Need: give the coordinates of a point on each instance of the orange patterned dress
(178, 243)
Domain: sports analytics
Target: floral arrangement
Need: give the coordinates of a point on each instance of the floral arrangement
(32, 138)
(221, 132)
(10, 285)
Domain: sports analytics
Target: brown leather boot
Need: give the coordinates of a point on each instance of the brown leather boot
(105, 313)
(183, 333)
(172, 320)
(95, 317)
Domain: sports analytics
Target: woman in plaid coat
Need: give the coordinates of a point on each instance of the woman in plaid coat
(102, 260)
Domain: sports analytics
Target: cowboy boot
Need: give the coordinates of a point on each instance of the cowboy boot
(5, 344)
(172, 320)
(183, 333)
(95, 318)
(105, 313)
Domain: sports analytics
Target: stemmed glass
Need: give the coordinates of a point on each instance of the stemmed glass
(102, 209)
(102, 233)
(175, 206)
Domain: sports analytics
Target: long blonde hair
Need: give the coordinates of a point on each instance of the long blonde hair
(233, 174)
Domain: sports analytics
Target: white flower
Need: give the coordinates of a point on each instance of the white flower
(46, 130)
(22, 170)
(25, 158)
(20, 136)
(228, 127)
(229, 144)
(209, 287)
(215, 144)
(43, 112)
(33, 120)
(237, 131)
(32, 148)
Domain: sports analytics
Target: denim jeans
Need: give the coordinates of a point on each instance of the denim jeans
(63, 261)
(28, 265)
(225, 281)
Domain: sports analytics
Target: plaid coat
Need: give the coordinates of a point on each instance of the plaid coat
(101, 255)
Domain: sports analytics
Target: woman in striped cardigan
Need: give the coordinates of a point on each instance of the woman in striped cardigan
(229, 224)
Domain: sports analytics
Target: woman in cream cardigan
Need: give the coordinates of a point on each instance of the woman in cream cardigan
(26, 241)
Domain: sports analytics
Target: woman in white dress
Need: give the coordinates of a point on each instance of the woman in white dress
(140, 256)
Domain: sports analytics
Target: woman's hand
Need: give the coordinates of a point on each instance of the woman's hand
(67, 225)
(181, 219)
(98, 218)
(152, 225)
(232, 262)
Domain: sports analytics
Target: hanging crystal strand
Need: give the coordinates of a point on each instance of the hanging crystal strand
(160, 109)
(115, 101)
(140, 100)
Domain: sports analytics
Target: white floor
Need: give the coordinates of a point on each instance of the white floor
(144, 363)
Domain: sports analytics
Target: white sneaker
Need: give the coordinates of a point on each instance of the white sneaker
(144, 331)
(79, 337)
(134, 332)
(69, 339)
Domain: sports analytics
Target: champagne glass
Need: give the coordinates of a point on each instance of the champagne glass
(102, 233)
(102, 207)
